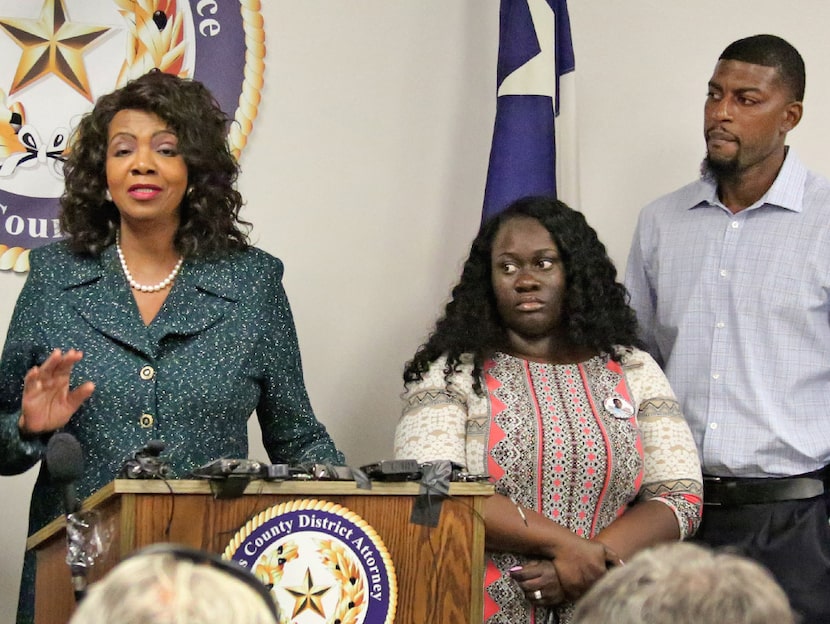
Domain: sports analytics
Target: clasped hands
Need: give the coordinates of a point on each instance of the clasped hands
(48, 402)
(577, 566)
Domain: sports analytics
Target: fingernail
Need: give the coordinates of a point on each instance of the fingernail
(515, 569)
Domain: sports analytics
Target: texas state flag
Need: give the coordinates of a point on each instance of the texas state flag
(534, 147)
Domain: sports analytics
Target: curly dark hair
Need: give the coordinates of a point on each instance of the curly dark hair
(596, 311)
(210, 223)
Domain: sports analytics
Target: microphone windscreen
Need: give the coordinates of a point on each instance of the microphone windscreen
(155, 447)
(64, 458)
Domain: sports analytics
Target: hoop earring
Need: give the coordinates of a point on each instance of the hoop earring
(107, 195)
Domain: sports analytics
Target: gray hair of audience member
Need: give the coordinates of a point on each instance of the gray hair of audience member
(164, 589)
(685, 583)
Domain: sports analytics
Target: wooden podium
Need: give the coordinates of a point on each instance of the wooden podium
(440, 570)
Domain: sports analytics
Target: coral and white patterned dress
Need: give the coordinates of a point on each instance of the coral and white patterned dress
(575, 442)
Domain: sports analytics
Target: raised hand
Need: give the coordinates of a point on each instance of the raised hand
(48, 402)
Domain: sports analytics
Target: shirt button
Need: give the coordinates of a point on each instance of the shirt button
(720, 325)
(735, 225)
(723, 273)
(713, 426)
(146, 421)
(715, 375)
(147, 372)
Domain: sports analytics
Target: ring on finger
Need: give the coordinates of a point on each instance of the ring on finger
(537, 595)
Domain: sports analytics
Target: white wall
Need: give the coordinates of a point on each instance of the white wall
(366, 169)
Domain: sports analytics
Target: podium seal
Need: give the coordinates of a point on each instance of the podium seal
(323, 563)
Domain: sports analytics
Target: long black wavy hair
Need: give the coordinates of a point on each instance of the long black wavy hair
(210, 223)
(595, 312)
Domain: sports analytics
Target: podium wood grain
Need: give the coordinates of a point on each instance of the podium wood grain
(439, 570)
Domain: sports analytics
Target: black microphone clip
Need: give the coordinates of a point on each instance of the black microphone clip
(147, 463)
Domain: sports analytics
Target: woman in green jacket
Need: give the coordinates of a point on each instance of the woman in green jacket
(155, 318)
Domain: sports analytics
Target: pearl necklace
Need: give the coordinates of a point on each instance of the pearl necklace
(165, 283)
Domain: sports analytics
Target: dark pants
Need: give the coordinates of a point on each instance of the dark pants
(791, 538)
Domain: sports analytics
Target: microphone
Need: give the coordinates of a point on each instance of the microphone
(147, 463)
(65, 464)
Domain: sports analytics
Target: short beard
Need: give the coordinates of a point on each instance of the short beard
(720, 170)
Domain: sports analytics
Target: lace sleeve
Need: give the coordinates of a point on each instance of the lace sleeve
(434, 419)
(672, 468)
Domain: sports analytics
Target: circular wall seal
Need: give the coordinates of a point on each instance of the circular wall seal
(324, 563)
(60, 55)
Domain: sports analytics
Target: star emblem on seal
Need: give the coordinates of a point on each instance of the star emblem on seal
(52, 44)
(308, 596)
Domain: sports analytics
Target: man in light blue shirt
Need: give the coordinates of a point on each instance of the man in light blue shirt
(730, 279)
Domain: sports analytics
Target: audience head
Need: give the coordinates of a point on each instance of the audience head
(594, 310)
(209, 211)
(684, 583)
(168, 584)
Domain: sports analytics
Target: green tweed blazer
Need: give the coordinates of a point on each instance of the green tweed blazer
(222, 346)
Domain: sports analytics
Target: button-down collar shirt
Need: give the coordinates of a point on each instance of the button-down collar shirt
(736, 308)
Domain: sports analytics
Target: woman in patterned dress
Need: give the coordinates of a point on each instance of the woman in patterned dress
(533, 377)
